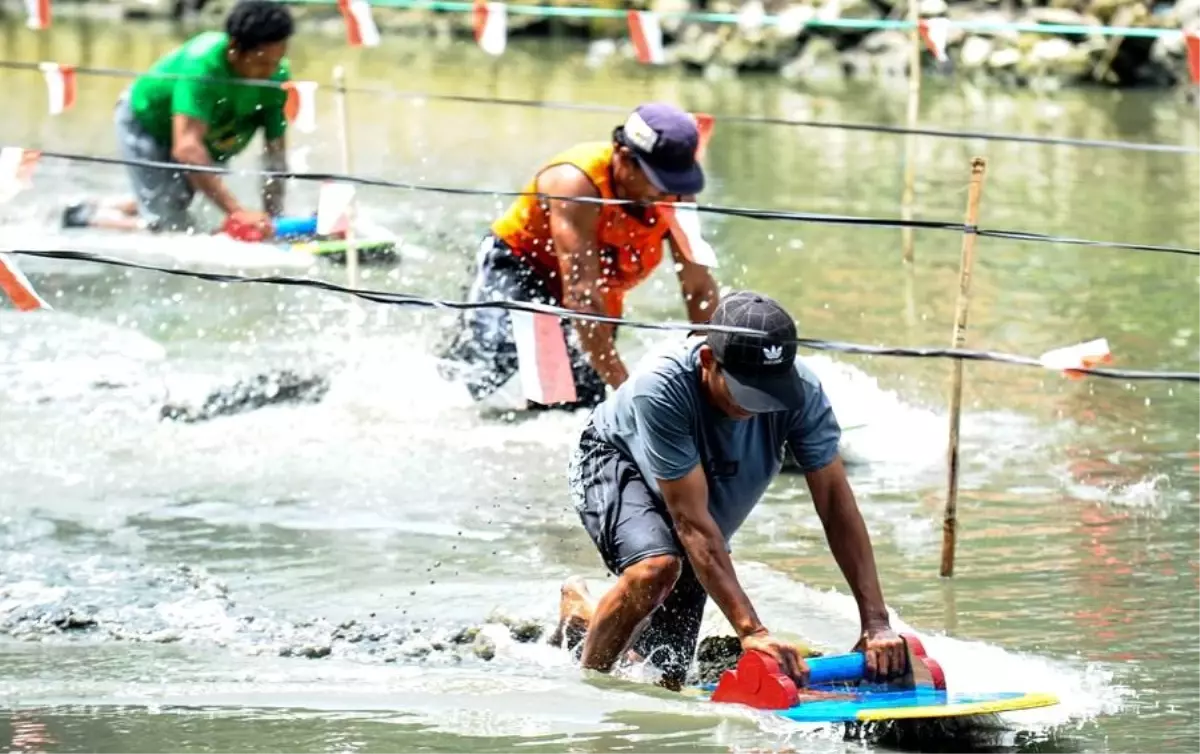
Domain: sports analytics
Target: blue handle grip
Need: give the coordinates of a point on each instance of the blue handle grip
(295, 226)
(837, 668)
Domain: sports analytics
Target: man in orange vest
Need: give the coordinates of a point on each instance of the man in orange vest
(585, 256)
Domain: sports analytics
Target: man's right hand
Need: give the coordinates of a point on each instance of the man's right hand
(261, 222)
(783, 652)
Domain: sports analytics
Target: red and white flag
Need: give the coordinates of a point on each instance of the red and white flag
(685, 229)
(333, 207)
(301, 105)
(704, 125)
(60, 86)
(16, 170)
(491, 26)
(545, 368)
(1080, 356)
(38, 12)
(1192, 40)
(17, 287)
(936, 33)
(361, 30)
(646, 34)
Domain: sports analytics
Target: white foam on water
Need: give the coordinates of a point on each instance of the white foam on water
(56, 356)
(880, 427)
(173, 250)
(1151, 495)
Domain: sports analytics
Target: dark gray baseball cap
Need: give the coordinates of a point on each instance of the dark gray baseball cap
(759, 370)
(664, 139)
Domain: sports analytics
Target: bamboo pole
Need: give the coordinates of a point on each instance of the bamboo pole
(950, 519)
(910, 140)
(339, 82)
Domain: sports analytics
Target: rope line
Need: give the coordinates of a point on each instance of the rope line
(746, 212)
(402, 299)
(752, 213)
(1134, 146)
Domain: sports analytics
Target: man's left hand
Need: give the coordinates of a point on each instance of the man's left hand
(886, 655)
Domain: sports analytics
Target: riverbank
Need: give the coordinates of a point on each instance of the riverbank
(802, 53)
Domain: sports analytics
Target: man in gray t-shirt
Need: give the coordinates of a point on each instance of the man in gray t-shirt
(672, 463)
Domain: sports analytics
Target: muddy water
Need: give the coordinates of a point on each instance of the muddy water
(299, 577)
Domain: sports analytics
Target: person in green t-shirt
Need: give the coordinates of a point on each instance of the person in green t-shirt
(195, 107)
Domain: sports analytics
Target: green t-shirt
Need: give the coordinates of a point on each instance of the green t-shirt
(232, 111)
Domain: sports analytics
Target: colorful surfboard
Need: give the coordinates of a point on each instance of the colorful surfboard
(370, 251)
(836, 691)
(298, 234)
(875, 706)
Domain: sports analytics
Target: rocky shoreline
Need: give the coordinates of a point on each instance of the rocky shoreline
(813, 54)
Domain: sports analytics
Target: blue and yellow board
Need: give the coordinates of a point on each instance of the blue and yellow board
(921, 704)
(298, 234)
(370, 251)
(918, 704)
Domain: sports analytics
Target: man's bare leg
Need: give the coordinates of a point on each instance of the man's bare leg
(575, 608)
(110, 214)
(627, 607)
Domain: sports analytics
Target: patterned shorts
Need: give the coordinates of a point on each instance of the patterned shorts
(164, 196)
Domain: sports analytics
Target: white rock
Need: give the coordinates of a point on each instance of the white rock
(975, 52)
(665, 9)
(1050, 50)
(1006, 58)
(792, 20)
(931, 8)
(751, 16)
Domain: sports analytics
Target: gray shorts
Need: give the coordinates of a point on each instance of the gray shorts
(628, 523)
(163, 196)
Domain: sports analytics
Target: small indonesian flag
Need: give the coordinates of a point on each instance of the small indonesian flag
(685, 229)
(361, 30)
(60, 86)
(17, 287)
(935, 32)
(333, 207)
(1192, 40)
(1080, 356)
(301, 107)
(545, 368)
(704, 124)
(16, 170)
(39, 14)
(646, 34)
(491, 26)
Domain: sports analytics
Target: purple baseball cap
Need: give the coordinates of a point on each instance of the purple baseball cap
(664, 139)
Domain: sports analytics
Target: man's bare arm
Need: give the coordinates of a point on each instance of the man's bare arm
(687, 501)
(187, 139)
(574, 227)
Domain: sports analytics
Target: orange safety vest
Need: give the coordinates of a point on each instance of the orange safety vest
(630, 248)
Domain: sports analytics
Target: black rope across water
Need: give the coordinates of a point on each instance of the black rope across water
(403, 299)
(747, 212)
(619, 110)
